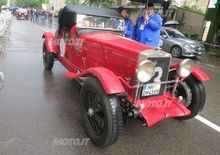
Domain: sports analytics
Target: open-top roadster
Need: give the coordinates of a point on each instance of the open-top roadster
(122, 78)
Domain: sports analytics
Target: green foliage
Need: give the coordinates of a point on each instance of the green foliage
(101, 3)
(192, 9)
(135, 3)
(193, 36)
(29, 3)
(3, 2)
(75, 2)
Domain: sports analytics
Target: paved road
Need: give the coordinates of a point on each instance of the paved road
(38, 106)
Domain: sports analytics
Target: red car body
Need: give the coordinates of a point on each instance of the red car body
(117, 62)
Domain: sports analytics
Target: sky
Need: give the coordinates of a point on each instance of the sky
(212, 3)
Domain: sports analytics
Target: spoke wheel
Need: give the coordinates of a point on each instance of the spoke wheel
(95, 113)
(101, 113)
(193, 93)
(184, 91)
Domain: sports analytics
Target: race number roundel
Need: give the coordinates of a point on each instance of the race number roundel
(62, 47)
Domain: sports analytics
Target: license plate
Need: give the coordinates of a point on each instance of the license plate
(151, 89)
(200, 53)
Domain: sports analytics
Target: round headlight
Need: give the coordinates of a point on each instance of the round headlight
(145, 71)
(185, 68)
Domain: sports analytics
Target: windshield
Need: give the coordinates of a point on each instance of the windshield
(97, 22)
(174, 33)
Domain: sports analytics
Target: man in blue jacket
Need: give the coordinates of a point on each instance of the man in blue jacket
(128, 23)
(147, 28)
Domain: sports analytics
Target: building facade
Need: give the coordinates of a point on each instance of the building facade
(199, 4)
(56, 5)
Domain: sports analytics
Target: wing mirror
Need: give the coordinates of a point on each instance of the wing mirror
(165, 36)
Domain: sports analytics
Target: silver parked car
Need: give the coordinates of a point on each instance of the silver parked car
(179, 45)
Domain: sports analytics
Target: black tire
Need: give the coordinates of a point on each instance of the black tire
(101, 113)
(196, 96)
(176, 51)
(48, 58)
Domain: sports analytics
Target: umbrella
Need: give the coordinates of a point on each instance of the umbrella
(172, 22)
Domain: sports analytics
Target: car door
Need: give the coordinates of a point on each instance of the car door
(168, 41)
(75, 49)
(163, 39)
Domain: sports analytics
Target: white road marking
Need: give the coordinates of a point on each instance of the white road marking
(208, 123)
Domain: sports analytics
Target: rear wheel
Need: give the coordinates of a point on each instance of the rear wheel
(48, 58)
(101, 113)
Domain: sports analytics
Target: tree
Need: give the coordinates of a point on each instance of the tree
(29, 3)
(3, 2)
(197, 10)
(106, 3)
(72, 2)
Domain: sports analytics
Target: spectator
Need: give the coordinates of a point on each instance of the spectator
(128, 23)
(37, 14)
(32, 15)
(147, 28)
(51, 15)
(44, 17)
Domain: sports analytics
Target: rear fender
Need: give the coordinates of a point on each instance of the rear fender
(196, 72)
(109, 81)
(50, 42)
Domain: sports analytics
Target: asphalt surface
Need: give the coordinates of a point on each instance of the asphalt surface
(38, 106)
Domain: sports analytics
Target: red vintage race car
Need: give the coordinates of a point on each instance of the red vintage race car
(121, 78)
(22, 14)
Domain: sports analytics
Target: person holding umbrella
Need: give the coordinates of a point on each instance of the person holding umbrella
(147, 28)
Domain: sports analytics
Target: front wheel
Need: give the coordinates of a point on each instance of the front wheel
(48, 58)
(194, 96)
(101, 113)
(176, 51)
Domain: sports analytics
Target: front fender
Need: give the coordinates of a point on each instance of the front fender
(196, 72)
(50, 42)
(109, 81)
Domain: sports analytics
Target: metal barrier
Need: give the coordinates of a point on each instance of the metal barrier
(2, 24)
(2, 80)
(5, 16)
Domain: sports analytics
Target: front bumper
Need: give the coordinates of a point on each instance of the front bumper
(192, 53)
(158, 108)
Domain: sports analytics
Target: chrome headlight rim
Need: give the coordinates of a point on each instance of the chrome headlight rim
(181, 68)
(149, 75)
